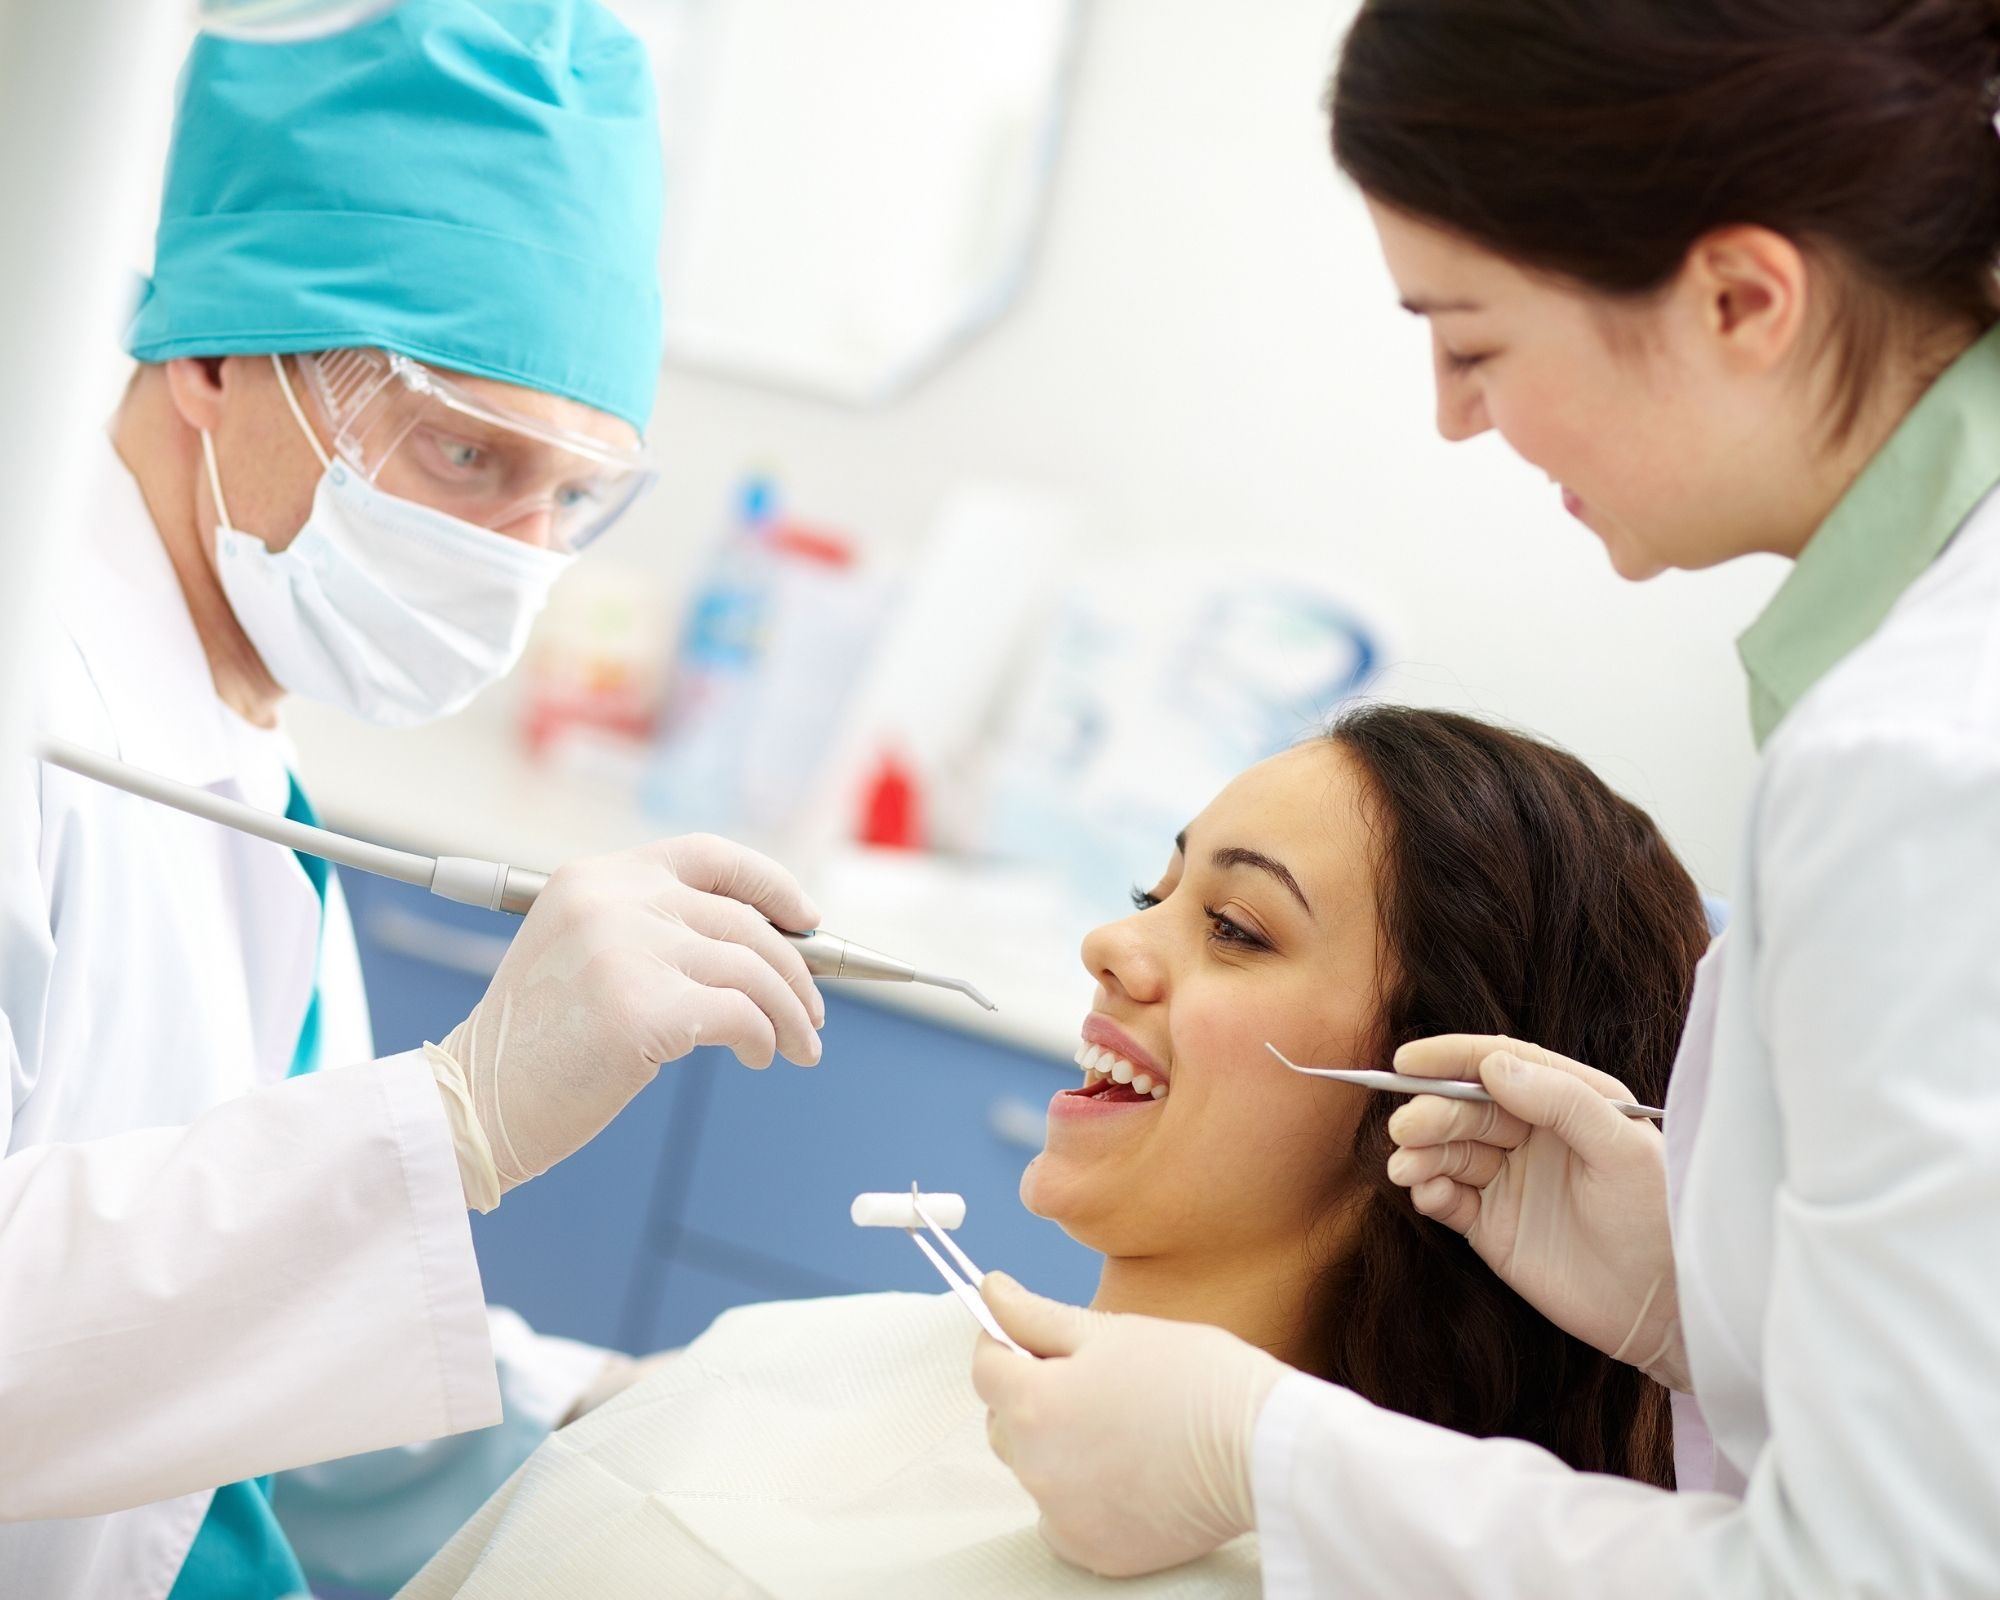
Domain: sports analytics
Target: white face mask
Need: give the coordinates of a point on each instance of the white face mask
(390, 610)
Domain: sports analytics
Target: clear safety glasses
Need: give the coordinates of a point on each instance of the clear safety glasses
(417, 434)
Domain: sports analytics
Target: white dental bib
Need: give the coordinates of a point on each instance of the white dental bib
(823, 1448)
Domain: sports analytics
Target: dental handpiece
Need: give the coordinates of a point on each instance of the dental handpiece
(827, 955)
(492, 885)
(830, 956)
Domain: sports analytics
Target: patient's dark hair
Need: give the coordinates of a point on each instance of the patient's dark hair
(1518, 895)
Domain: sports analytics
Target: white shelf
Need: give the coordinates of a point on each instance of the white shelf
(463, 787)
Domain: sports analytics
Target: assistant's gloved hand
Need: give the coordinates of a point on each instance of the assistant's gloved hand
(1133, 1434)
(625, 961)
(1563, 1197)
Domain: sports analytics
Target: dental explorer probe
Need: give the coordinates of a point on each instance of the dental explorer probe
(492, 885)
(1447, 1088)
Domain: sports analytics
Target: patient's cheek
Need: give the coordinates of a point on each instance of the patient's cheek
(1227, 1048)
(1274, 1131)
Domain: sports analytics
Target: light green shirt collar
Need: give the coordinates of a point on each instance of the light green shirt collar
(1889, 526)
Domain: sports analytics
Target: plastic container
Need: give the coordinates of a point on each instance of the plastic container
(824, 609)
(695, 780)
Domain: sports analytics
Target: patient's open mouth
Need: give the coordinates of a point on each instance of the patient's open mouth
(1110, 1093)
(1108, 1076)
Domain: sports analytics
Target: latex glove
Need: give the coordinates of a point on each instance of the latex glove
(625, 961)
(1563, 1197)
(1133, 1435)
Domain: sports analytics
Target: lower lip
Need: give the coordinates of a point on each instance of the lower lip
(1572, 504)
(1068, 1103)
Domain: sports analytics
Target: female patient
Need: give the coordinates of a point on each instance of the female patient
(1410, 873)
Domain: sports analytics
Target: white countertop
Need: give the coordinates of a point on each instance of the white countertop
(464, 787)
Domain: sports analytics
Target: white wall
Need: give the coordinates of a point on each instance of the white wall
(1209, 357)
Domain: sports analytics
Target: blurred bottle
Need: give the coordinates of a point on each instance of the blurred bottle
(595, 670)
(824, 608)
(695, 780)
(891, 807)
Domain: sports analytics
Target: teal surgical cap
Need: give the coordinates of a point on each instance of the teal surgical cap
(473, 183)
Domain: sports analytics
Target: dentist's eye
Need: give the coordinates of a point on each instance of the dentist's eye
(1143, 899)
(1223, 930)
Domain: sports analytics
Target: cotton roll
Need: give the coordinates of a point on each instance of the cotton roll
(895, 1210)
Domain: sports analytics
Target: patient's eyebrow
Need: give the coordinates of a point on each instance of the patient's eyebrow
(1423, 306)
(1237, 856)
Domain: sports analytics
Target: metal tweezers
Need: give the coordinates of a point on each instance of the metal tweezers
(967, 1292)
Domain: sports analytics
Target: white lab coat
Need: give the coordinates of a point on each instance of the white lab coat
(206, 1272)
(1835, 1231)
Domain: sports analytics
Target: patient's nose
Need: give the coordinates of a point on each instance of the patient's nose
(1125, 958)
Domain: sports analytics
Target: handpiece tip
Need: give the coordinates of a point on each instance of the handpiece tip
(961, 985)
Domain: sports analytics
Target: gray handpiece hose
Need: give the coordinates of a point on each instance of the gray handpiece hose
(403, 865)
(489, 884)
(492, 885)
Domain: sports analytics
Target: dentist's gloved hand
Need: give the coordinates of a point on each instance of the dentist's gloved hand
(1133, 1434)
(1563, 1197)
(625, 961)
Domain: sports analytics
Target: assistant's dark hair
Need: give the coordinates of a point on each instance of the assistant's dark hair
(1517, 895)
(1600, 139)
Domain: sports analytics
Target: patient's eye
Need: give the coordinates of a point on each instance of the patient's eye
(1143, 899)
(1225, 930)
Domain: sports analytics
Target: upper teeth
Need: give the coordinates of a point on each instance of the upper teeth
(1098, 1062)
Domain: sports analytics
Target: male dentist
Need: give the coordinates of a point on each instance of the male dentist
(399, 345)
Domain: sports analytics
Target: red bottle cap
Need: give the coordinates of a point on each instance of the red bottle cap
(890, 814)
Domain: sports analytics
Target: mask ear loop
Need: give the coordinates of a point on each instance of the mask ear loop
(222, 522)
(299, 415)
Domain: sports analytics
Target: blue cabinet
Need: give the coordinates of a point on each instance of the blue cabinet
(720, 1186)
(687, 1295)
(895, 1101)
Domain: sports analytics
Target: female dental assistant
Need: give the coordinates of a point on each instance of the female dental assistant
(1727, 273)
(401, 336)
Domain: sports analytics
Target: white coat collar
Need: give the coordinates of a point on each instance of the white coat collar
(122, 605)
